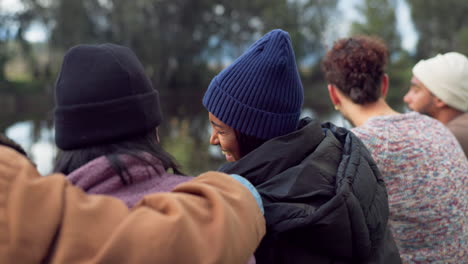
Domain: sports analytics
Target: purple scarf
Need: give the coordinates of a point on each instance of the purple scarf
(98, 177)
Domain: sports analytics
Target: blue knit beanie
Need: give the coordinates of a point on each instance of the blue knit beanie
(260, 94)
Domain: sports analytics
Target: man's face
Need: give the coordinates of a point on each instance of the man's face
(419, 98)
(224, 136)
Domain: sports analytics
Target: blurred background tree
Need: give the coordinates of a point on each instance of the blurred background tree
(442, 26)
(5, 36)
(379, 19)
(184, 43)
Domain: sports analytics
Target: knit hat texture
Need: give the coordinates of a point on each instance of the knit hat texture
(260, 94)
(102, 96)
(446, 76)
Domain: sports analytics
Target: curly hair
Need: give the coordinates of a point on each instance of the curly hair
(355, 66)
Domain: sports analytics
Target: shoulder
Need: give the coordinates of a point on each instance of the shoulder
(460, 122)
(166, 182)
(425, 126)
(374, 132)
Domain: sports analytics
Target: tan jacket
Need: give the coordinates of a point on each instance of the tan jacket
(211, 219)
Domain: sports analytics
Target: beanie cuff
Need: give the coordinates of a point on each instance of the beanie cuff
(84, 125)
(441, 90)
(260, 124)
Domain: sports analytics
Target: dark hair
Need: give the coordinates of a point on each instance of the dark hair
(248, 143)
(69, 160)
(12, 144)
(356, 66)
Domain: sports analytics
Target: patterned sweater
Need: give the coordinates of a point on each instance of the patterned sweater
(426, 172)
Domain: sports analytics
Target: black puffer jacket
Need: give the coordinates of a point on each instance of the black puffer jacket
(324, 198)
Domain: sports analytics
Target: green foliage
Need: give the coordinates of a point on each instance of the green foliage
(306, 22)
(190, 154)
(462, 41)
(400, 75)
(379, 20)
(441, 26)
(4, 51)
(21, 87)
(74, 23)
(183, 43)
(3, 60)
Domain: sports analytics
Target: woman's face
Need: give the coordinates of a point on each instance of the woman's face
(224, 136)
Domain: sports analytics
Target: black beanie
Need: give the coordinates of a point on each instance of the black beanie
(102, 96)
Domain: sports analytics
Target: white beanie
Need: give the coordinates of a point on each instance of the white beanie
(446, 76)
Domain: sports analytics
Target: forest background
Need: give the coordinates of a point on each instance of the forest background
(184, 43)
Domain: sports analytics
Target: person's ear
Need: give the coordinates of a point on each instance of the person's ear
(384, 85)
(334, 97)
(157, 135)
(438, 103)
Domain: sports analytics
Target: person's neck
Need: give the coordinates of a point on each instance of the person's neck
(360, 114)
(446, 114)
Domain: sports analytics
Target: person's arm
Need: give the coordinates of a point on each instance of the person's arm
(211, 219)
